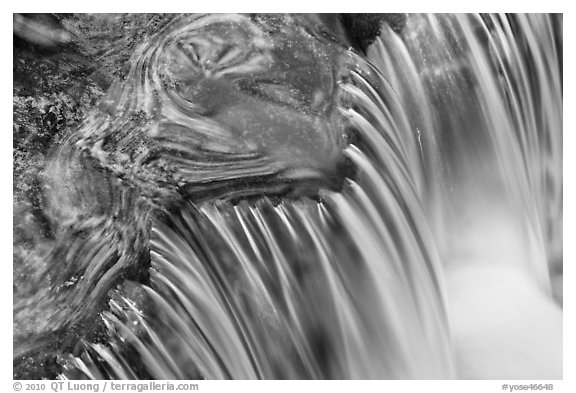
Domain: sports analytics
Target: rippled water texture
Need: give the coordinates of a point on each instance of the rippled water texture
(255, 200)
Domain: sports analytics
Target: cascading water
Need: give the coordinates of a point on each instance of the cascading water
(305, 224)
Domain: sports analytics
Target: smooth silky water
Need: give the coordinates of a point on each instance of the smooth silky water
(329, 215)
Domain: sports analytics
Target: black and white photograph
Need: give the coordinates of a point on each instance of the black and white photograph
(286, 196)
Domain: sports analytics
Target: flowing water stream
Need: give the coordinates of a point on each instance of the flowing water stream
(298, 206)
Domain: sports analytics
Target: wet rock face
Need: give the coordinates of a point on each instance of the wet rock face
(55, 88)
(201, 107)
(231, 104)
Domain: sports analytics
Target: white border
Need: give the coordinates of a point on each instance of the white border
(567, 385)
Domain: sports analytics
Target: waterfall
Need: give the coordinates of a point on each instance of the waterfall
(323, 252)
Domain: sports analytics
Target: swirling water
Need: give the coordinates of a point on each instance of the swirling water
(296, 205)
